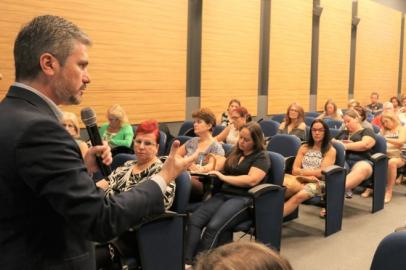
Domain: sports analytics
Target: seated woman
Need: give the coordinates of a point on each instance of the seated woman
(71, 123)
(130, 174)
(117, 132)
(358, 142)
(395, 136)
(147, 164)
(330, 112)
(245, 167)
(310, 160)
(294, 122)
(205, 144)
(363, 115)
(396, 104)
(225, 118)
(239, 117)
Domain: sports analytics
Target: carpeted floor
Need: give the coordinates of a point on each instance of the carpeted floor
(304, 244)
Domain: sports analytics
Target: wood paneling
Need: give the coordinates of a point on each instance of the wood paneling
(403, 90)
(290, 52)
(377, 55)
(334, 52)
(138, 58)
(230, 53)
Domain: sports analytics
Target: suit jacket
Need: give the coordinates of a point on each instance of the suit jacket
(50, 209)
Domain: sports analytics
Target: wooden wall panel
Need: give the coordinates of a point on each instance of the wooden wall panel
(403, 90)
(290, 52)
(230, 53)
(334, 52)
(138, 58)
(377, 53)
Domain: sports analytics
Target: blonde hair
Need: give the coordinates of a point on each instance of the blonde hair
(391, 116)
(68, 116)
(118, 112)
(242, 255)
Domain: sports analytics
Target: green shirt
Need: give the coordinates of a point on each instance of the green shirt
(123, 137)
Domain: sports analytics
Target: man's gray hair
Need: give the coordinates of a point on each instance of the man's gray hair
(44, 34)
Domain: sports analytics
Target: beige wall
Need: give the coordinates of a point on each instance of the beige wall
(377, 56)
(138, 58)
(289, 59)
(230, 53)
(334, 52)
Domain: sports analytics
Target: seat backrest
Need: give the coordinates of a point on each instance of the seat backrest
(376, 128)
(390, 253)
(312, 114)
(181, 139)
(380, 145)
(332, 123)
(120, 159)
(334, 132)
(227, 148)
(217, 130)
(269, 127)
(185, 127)
(277, 170)
(278, 117)
(162, 143)
(284, 144)
(309, 120)
(340, 154)
(182, 193)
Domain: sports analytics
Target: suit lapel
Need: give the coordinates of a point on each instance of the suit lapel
(32, 98)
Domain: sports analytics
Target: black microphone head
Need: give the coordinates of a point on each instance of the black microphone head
(88, 116)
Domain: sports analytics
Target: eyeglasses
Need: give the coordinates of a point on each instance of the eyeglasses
(146, 143)
(321, 130)
(112, 119)
(293, 110)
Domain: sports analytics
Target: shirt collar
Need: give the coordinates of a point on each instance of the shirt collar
(58, 113)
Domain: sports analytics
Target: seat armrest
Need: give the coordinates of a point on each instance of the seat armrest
(261, 189)
(375, 158)
(289, 164)
(166, 215)
(330, 170)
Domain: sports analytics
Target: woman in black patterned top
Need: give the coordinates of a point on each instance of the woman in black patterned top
(147, 164)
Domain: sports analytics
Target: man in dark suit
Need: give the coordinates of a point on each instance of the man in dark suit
(50, 209)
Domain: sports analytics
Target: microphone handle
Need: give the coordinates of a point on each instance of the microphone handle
(95, 138)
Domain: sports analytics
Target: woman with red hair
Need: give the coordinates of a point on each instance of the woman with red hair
(147, 164)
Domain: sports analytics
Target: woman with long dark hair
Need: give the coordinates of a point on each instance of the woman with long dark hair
(310, 160)
(245, 167)
(294, 122)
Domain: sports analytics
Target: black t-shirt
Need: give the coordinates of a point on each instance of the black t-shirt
(356, 137)
(259, 160)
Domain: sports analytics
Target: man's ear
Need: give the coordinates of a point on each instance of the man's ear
(48, 63)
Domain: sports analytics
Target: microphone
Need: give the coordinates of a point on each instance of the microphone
(89, 119)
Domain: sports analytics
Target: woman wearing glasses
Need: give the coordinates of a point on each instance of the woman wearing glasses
(117, 132)
(147, 164)
(132, 173)
(239, 117)
(310, 160)
(294, 122)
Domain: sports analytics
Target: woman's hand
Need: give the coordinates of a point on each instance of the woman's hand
(218, 174)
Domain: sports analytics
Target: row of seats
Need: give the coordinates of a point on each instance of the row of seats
(267, 208)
